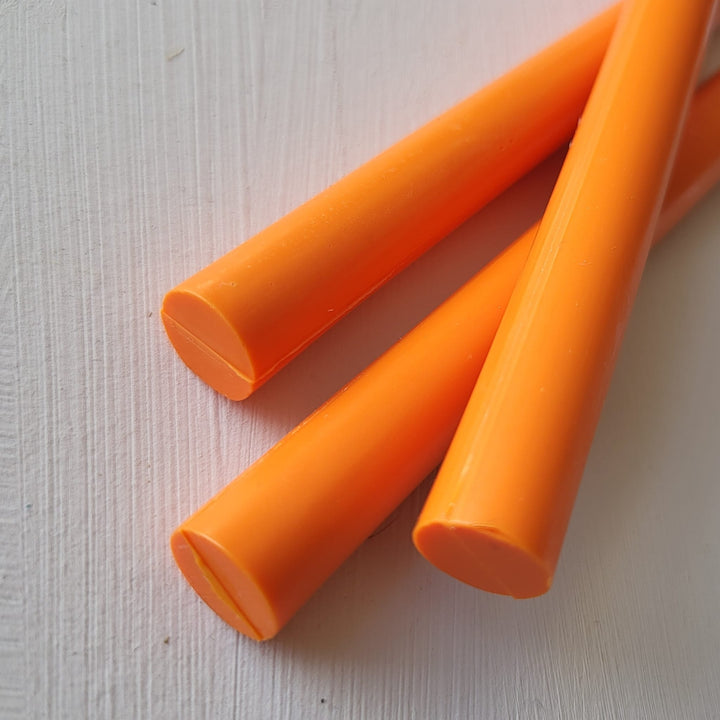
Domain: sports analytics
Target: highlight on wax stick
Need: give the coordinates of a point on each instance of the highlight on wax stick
(264, 544)
(242, 318)
(499, 508)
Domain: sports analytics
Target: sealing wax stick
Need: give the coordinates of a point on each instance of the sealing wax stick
(264, 544)
(498, 511)
(242, 318)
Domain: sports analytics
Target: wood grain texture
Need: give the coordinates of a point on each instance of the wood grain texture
(139, 141)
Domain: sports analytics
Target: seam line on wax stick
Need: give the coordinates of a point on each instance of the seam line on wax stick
(493, 392)
(565, 209)
(213, 579)
(334, 320)
(212, 352)
(499, 258)
(569, 200)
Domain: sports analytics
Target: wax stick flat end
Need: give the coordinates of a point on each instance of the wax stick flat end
(208, 344)
(223, 585)
(482, 557)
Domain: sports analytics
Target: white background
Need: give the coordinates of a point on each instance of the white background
(141, 140)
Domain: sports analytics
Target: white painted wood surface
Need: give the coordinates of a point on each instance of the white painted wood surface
(139, 141)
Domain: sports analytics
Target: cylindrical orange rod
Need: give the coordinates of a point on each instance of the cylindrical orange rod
(241, 319)
(264, 544)
(497, 514)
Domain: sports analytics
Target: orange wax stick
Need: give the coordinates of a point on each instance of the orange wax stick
(265, 543)
(497, 514)
(241, 319)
